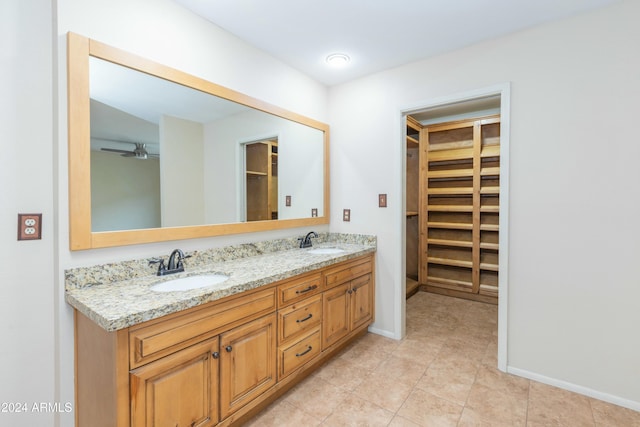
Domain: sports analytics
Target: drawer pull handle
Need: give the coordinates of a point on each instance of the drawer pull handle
(307, 289)
(305, 318)
(215, 354)
(309, 348)
(228, 348)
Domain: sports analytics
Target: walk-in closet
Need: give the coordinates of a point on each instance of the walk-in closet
(452, 196)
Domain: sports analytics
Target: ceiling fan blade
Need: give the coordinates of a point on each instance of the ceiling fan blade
(115, 150)
(140, 152)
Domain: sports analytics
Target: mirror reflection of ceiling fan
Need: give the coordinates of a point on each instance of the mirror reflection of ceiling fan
(139, 152)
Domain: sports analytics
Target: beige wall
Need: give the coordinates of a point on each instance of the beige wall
(27, 284)
(574, 205)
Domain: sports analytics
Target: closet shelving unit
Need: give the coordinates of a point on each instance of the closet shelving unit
(460, 178)
(413, 132)
(262, 180)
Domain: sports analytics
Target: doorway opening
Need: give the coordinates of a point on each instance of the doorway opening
(260, 180)
(456, 200)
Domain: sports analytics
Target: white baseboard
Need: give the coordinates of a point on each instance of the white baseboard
(575, 388)
(382, 332)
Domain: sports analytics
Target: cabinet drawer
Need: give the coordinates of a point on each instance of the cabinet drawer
(299, 353)
(148, 343)
(299, 317)
(346, 272)
(298, 289)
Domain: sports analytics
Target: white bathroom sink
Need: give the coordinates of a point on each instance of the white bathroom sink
(191, 282)
(325, 251)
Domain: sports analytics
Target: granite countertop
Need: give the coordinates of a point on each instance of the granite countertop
(123, 303)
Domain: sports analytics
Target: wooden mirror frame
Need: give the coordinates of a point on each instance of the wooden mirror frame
(79, 49)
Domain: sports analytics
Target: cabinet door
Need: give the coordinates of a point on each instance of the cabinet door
(335, 310)
(177, 390)
(247, 363)
(361, 301)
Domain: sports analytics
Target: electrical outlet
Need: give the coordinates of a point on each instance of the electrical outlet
(314, 212)
(346, 215)
(29, 226)
(382, 200)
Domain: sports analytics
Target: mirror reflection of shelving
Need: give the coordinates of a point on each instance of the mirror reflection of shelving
(261, 166)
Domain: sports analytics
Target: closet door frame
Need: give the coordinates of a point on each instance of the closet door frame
(504, 91)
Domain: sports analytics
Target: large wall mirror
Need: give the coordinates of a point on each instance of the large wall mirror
(156, 154)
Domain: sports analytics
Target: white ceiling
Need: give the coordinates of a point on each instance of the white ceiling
(377, 34)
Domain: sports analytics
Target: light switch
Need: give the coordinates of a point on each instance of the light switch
(382, 200)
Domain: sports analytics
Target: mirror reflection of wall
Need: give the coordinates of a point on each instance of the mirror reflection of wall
(125, 192)
(181, 172)
(199, 139)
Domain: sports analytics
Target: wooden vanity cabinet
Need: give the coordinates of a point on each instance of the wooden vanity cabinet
(177, 390)
(220, 363)
(347, 302)
(247, 363)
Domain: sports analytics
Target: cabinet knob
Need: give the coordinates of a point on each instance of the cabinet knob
(228, 348)
(215, 354)
(350, 291)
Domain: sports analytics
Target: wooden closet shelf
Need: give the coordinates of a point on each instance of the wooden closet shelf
(412, 286)
(444, 155)
(490, 171)
(492, 246)
(450, 190)
(254, 173)
(446, 242)
(488, 267)
(411, 214)
(450, 225)
(490, 190)
(453, 173)
(412, 142)
(490, 151)
(490, 209)
(489, 227)
(488, 290)
(456, 284)
(451, 262)
(451, 208)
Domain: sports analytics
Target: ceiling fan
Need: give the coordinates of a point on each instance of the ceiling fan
(140, 152)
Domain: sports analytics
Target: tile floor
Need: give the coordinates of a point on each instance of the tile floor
(442, 374)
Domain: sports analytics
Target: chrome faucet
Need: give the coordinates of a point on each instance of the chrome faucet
(173, 266)
(305, 242)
